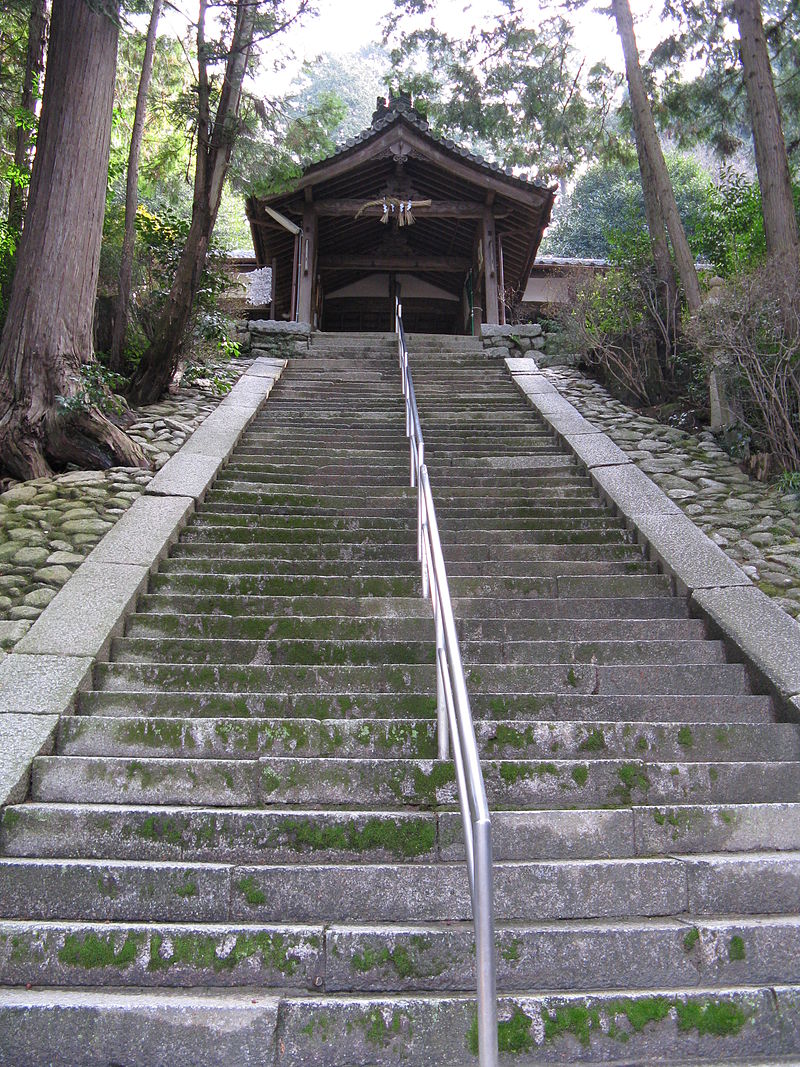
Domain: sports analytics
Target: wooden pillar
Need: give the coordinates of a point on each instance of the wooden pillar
(491, 310)
(308, 255)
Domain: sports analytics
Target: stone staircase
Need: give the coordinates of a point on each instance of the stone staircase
(245, 852)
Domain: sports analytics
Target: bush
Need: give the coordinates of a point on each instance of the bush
(750, 330)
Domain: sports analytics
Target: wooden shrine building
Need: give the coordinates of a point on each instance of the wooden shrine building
(397, 209)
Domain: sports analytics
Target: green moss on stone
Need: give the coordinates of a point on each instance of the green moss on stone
(736, 949)
(92, 951)
(252, 894)
(691, 938)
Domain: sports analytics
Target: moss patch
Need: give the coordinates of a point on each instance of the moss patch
(93, 951)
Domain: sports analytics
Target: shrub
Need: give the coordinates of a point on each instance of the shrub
(750, 330)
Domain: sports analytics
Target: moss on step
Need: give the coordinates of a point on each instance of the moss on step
(252, 894)
(92, 951)
(406, 837)
(197, 951)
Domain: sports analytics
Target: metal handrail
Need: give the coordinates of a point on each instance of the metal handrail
(454, 717)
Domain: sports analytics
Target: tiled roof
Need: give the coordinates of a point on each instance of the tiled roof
(402, 108)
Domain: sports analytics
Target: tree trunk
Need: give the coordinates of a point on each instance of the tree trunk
(31, 92)
(780, 220)
(214, 146)
(654, 169)
(117, 359)
(48, 331)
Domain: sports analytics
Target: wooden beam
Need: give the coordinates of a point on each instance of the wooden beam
(404, 138)
(439, 209)
(489, 240)
(435, 264)
(308, 255)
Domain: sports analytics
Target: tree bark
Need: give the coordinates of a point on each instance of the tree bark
(48, 331)
(117, 359)
(214, 146)
(31, 92)
(655, 179)
(780, 220)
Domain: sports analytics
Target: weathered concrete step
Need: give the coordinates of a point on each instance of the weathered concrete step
(413, 607)
(720, 1026)
(274, 563)
(640, 954)
(406, 550)
(562, 584)
(577, 607)
(163, 1028)
(220, 835)
(491, 679)
(232, 738)
(338, 627)
(114, 890)
(225, 738)
(387, 585)
(343, 627)
(569, 955)
(307, 703)
(522, 516)
(342, 651)
(758, 832)
(174, 954)
(362, 783)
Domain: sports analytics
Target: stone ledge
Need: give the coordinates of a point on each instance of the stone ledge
(185, 476)
(523, 365)
(145, 532)
(768, 637)
(631, 491)
(595, 450)
(687, 553)
(278, 326)
(22, 739)
(87, 612)
(42, 685)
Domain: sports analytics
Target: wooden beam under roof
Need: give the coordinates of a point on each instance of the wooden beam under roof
(435, 264)
(439, 209)
(399, 138)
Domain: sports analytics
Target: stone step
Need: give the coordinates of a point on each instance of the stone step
(296, 835)
(633, 954)
(238, 529)
(231, 1027)
(363, 783)
(114, 891)
(490, 679)
(314, 652)
(344, 627)
(161, 955)
(513, 707)
(225, 738)
(402, 551)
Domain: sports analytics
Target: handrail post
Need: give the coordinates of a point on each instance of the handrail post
(484, 945)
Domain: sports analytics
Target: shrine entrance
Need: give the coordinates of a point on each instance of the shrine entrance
(397, 210)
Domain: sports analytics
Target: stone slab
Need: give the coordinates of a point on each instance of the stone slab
(22, 738)
(41, 685)
(95, 1028)
(564, 424)
(265, 367)
(534, 383)
(145, 532)
(87, 612)
(763, 631)
(548, 404)
(684, 550)
(632, 492)
(596, 450)
(521, 364)
(219, 433)
(185, 476)
(248, 394)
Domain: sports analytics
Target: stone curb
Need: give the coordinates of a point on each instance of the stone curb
(41, 679)
(720, 590)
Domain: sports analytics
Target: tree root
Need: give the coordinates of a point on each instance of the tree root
(87, 439)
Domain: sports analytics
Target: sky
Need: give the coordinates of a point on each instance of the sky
(341, 28)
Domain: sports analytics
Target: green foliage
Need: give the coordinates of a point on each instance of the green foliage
(606, 206)
(507, 89)
(95, 388)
